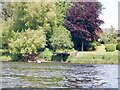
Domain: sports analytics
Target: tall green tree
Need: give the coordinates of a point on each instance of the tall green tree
(61, 39)
(18, 16)
(61, 10)
(33, 15)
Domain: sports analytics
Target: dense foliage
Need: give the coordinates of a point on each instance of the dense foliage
(92, 46)
(6, 32)
(61, 10)
(46, 54)
(118, 46)
(31, 30)
(61, 39)
(110, 38)
(110, 48)
(83, 21)
(27, 43)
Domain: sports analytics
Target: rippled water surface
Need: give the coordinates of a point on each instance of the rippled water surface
(58, 75)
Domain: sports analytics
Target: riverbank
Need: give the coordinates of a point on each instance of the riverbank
(92, 57)
(95, 58)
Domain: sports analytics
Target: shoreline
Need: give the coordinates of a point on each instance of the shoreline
(62, 62)
(80, 58)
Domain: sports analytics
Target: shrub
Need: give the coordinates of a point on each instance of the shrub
(110, 48)
(118, 46)
(46, 54)
(98, 43)
(59, 57)
(26, 43)
(110, 38)
(92, 46)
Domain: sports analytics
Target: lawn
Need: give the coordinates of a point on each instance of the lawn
(95, 57)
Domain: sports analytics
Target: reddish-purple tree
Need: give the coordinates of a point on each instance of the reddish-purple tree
(83, 21)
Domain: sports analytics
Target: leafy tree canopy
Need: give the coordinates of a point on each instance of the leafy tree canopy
(83, 19)
(61, 39)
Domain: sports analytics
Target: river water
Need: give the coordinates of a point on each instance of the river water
(58, 75)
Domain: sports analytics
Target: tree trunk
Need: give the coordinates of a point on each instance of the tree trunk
(82, 45)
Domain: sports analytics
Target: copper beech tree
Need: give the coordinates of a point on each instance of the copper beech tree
(83, 21)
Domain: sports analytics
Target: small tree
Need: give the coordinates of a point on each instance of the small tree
(109, 38)
(27, 43)
(61, 39)
(83, 21)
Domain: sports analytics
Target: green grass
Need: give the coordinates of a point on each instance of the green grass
(95, 58)
(5, 58)
(90, 57)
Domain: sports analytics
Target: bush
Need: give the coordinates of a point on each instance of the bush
(26, 43)
(92, 46)
(46, 54)
(58, 57)
(118, 46)
(110, 48)
(98, 43)
(110, 38)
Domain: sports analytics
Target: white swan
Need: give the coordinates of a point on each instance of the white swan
(36, 61)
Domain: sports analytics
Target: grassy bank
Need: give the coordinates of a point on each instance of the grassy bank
(5, 58)
(95, 58)
(85, 58)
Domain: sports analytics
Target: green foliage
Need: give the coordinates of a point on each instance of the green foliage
(61, 11)
(98, 43)
(6, 33)
(110, 48)
(118, 46)
(30, 26)
(40, 14)
(61, 39)
(109, 38)
(46, 54)
(32, 15)
(18, 16)
(27, 42)
(92, 46)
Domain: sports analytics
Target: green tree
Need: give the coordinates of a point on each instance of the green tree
(6, 32)
(109, 38)
(61, 10)
(18, 16)
(27, 43)
(32, 15)
(61, 39)
(40, 14)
